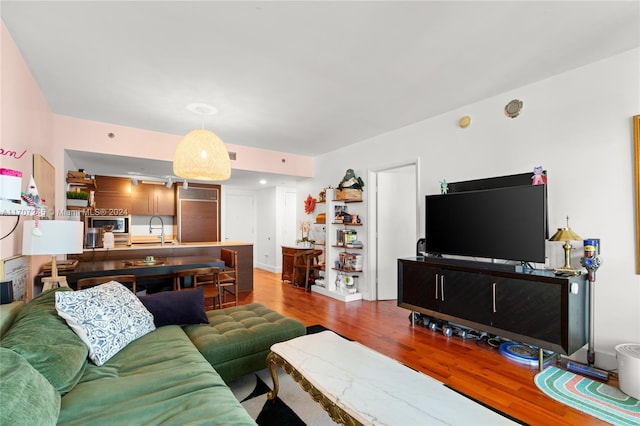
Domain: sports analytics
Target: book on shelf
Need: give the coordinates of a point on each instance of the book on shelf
(346, 237)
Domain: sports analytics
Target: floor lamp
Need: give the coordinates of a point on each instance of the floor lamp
(55, 237)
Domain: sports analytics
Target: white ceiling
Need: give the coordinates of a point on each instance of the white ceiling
(304, 77)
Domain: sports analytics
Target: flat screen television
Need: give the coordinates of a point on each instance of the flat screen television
(507, 223)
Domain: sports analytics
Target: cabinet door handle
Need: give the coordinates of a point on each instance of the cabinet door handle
(437, 279)
(493, 290)
(442, 287)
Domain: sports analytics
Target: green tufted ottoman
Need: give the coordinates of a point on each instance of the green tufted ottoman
(237, 340)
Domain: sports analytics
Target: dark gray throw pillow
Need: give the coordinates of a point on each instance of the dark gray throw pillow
(176, 307)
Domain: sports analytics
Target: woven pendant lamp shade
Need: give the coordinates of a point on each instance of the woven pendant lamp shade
(201, 155)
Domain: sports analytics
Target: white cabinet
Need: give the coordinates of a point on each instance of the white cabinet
(344, 253)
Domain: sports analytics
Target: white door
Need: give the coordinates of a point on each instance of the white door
(289, 227)
(240, 217)
(396, 224)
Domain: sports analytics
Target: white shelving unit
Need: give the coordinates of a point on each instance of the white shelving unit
(336, 294)
(333, 250)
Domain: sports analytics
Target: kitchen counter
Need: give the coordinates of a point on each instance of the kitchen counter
(175, 245)
(161, 270)
(101, 257)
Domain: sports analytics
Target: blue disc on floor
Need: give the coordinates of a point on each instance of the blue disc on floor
(523, 354)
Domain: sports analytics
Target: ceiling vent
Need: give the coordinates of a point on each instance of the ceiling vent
(232, 155)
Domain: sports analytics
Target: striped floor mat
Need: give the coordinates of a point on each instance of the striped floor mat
(589, 396)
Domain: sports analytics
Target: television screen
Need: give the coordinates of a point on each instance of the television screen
(498, 223)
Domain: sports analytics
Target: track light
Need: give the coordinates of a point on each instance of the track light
(169, 183)
(134, 181)
(185, 185)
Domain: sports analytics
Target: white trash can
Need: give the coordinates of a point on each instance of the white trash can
(628, 355)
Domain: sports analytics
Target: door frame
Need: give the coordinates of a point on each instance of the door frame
(371, 290)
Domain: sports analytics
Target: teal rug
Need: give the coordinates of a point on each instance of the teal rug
(589, 396)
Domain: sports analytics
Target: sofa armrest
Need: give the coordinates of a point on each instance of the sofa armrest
(8, 313)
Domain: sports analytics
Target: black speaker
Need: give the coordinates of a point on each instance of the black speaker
(6, 292)
(421, 246)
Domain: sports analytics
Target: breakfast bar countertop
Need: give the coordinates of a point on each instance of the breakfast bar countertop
(140, 267)
(159, 268)
(168, 245)
(95, 261)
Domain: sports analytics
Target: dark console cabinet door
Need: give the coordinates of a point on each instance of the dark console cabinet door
(465, 295)
(530, 308)
(444, 291)
(421, 294)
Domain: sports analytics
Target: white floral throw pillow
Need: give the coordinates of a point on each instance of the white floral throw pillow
(107, 318)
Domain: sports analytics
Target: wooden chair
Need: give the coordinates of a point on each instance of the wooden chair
(122, 279)
(307, 261)
(229, 276)
(208, 278)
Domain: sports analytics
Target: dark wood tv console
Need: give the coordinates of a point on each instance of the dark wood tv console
(535, 307)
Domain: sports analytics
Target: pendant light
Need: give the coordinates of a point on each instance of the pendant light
(202, 155)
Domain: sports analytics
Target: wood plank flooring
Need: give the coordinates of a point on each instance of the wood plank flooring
(467, 365)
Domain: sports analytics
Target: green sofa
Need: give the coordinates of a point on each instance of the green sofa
(159, 378)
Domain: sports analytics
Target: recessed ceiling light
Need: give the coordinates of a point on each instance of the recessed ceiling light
(263, 181)
(202, 109)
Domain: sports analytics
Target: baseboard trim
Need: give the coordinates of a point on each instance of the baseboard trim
(269, 268)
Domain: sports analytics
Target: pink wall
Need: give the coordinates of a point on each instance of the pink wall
(91, 136)
(26, 127)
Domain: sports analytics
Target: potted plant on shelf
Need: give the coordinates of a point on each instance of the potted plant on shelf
(304, 241)
(77, 199)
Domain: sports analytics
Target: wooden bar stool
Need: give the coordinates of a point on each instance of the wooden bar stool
(122, 279)
(208, 278)
(307, 261)
(229, 276)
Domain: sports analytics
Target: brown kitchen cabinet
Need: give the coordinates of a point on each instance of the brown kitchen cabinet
(198, 213)
(153, 199)
(113, 196)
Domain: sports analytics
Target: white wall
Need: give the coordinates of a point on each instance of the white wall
(578, 126)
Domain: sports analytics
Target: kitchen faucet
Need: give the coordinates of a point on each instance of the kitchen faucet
(151, 228)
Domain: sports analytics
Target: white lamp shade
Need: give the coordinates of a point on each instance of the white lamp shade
(201, 155)
(58, 237)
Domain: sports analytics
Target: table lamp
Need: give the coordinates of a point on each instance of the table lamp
(566, 235)
(52, 237)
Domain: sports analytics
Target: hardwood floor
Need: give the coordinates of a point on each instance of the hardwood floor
(467, 365)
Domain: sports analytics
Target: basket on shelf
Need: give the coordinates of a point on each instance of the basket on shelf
(349, 194)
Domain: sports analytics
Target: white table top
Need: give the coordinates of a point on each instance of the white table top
(377, 390)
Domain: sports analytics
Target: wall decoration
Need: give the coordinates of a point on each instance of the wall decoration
(636, 137)
(309, 204)
(45, 175)
(513, 108)
(464, 122)
(9, 153)
(16, 270)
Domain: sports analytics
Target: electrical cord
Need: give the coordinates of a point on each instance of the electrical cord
(14, 226)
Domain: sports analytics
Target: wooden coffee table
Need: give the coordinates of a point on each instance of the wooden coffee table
(358, 386)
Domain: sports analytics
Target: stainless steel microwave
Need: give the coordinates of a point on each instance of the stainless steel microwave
(120, 224)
